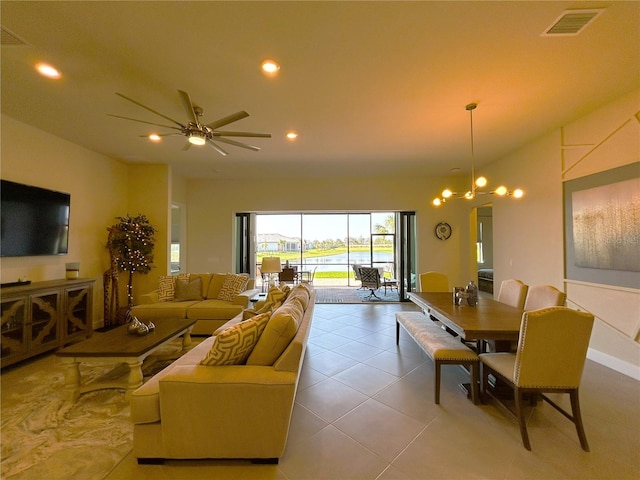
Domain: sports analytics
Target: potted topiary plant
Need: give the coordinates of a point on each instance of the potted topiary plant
(130, 244)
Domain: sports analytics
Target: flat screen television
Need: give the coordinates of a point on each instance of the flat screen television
(34, 221)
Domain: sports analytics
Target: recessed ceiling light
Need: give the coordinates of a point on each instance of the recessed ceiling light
(48, 71)
(270, 67)
(292, 135)
(154, 137)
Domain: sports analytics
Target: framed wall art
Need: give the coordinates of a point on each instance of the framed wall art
(602, 227)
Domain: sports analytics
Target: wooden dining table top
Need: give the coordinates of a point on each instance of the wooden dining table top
(489, 320)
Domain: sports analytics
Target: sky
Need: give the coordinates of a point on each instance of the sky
(320, 226)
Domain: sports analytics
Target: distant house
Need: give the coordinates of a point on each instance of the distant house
(275, 242)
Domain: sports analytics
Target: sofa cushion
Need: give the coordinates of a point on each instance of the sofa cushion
(213, 310)
(217, 281)
(280, 330)
(232, 286)
(233, 345)
(167, 286)
(188, 290)
(156, 311)
(300, 293)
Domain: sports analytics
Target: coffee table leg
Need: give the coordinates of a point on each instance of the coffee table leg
(186, 339)
(135, 376)
(72, 379)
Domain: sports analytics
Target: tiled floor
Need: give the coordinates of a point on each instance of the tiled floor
(364, 410)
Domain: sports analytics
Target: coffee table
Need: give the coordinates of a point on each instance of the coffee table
(118, 346)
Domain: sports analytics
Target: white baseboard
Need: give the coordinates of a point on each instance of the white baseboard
(613, 363)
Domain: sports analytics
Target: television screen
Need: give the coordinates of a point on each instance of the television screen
(34, 221)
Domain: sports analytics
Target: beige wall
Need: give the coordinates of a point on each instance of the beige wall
(99, 192)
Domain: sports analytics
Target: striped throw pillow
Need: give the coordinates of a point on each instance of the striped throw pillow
(232, 286)
(233, 345)
(167, 286)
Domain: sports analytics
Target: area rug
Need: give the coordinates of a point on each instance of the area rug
(46, 436)
(381, 296)
(337, 295)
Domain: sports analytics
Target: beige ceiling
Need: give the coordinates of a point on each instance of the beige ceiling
(374, 88)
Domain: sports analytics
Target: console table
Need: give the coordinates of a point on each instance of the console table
(44, 316)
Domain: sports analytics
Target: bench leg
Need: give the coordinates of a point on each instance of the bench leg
(397, 332)
(437, 382)
(475, 382)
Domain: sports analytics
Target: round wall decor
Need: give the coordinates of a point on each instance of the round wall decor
(443, 230)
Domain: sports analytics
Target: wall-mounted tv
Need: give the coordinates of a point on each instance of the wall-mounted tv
(34, 221)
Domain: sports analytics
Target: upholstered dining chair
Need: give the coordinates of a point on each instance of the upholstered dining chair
(513, 292)
(550, 358)
(434, 282)
(370, 278)
(542, 296)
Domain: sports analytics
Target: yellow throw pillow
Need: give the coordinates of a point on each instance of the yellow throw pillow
(233, 345)
(167, 286)
(275, 295)
(186, 291)
(215, 286)
(232, 286)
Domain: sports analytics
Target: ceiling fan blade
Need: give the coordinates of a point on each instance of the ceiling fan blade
(237, 144)
(162, 135)
(188, 106)
(217, 148)
(219, 133)
(150, 109)
(228, 119)
(142, 121)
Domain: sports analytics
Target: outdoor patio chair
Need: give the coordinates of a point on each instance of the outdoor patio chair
(370, 278)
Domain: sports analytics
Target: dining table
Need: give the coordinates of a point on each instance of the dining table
(488, 321)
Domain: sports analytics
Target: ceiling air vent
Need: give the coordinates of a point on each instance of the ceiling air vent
(8, 38)
(571, 22)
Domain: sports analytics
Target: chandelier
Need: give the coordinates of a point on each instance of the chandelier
(476, 183)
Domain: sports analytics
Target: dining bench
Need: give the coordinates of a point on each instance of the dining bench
(440, 346)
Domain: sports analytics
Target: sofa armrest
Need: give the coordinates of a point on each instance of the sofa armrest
(250, 405)
(244, 298)
(149, 298)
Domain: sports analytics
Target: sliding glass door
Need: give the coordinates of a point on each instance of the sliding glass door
(326, 246)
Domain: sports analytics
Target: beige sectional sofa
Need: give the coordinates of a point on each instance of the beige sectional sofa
(192, 411)
(204, 305)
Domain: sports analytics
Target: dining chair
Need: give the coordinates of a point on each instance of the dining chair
(288, 275)
(542, 296)
(370, 278)
(513, 292)
(550, 358)
(434, 282)
(312, 275)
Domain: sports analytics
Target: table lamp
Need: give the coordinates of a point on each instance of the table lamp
(271, 265)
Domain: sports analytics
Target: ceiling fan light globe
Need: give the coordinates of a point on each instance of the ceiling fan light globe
(196, 139)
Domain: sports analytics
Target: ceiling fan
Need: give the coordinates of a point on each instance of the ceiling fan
(196, 132)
